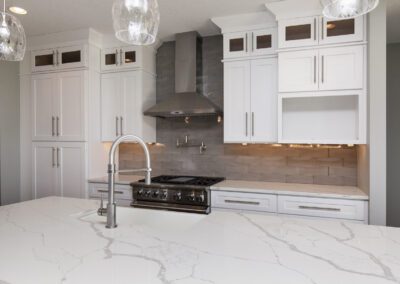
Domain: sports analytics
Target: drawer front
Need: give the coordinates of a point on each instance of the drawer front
(244, 201)
(123, 192)
(322, 207)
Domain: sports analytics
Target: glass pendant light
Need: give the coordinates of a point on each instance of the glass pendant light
(347, 9)
(136, 21)
(12, 37)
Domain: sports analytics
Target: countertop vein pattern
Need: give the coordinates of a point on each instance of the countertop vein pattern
(62, 240)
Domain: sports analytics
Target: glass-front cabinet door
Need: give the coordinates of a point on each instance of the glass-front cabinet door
(109, 58)
(43, 60)
(129, 56)
(340, 31)
(72, 56)
(236, 45)
(298, 32)
(119, 58)
(263, 41)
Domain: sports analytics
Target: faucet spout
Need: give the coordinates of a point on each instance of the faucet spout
(111, 206)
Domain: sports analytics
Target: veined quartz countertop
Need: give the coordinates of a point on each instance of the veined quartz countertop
(62, 240)
(313, 190)
(119, 179)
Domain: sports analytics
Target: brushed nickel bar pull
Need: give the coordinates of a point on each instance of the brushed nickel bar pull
(58, 126)
(323, 67)
(315, 69)
(106, 191)
(53, 119)
(319, 208)
(252, 123)
(120, 57)
(116, 126)
(241, 202)
(247, 124)
(121, 123)
(53, 157)
(131, 171)
(58, 157)
(315, 28)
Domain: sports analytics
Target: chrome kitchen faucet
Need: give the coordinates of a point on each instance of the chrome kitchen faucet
(111, 206)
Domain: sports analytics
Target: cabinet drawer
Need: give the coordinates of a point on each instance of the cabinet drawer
(321, 207)
(121, 191)
(243, 201)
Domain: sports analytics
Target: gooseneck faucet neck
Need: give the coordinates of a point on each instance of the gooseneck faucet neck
(111, 206)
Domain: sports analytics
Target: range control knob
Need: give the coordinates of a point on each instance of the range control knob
(156, 193)
(200, 198)
(191, 197)
(164, 195)
(147, 193)
(140, 192)
(177, 196)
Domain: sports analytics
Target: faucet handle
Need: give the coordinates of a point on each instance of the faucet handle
(102, 211)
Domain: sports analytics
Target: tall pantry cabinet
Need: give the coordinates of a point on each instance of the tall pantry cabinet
(60, 117)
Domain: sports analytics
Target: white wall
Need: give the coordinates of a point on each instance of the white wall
(377, 114)
(9, 132)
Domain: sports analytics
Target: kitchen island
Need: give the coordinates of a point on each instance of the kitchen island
(62, 240)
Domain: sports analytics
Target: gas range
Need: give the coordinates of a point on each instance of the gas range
(175, 193)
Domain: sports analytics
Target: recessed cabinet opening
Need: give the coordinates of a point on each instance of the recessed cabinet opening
(326, 119)
(130, 57)
(264, 41)
(44, 60)
(71, 57)
(110, 59)
(298, 32)
(340, 28)
(236, 44)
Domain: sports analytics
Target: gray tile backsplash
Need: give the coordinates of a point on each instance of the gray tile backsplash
(251, 162)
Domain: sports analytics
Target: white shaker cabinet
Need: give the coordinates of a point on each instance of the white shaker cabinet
(59, 169)
(120, 58)
(237, 101)
(124, 97)
(335, 68)
(298, 71)
(341, 31)
(341, 68)
(250, 101)
(59, 106)
(298, 32)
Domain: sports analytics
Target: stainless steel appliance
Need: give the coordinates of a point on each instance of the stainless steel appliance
(176, 193)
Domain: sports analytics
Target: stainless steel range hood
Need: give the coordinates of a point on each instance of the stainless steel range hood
(187, 100)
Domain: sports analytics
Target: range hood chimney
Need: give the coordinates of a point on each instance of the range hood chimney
(187, 100)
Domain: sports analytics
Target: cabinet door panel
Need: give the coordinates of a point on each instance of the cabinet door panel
(298, 71)
(72, 57)
(264, 101)
(298, 32)
(43, 114)
(129, 57)
(110, 106)
(44, 171)
(43, 60)
(341, 31)
(130, 121)
(236, 45)
(264, 42)
(109, 59)
(237, 102)
(71, 106)
(342, 68)
(71, 177)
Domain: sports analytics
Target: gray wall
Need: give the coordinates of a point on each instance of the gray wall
(9, 132)
(252, 162)
(393, 135)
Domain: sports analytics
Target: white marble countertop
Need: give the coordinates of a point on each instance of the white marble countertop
(61, 240)
(119, 179)
(313, 190)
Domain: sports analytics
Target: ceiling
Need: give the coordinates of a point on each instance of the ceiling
(50, 16)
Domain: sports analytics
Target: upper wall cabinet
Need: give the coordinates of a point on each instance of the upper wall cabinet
(311, 31)
(253, 43)
(59, 58)
(120, 58)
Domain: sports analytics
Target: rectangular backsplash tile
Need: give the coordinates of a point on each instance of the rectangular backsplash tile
(251, 162)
